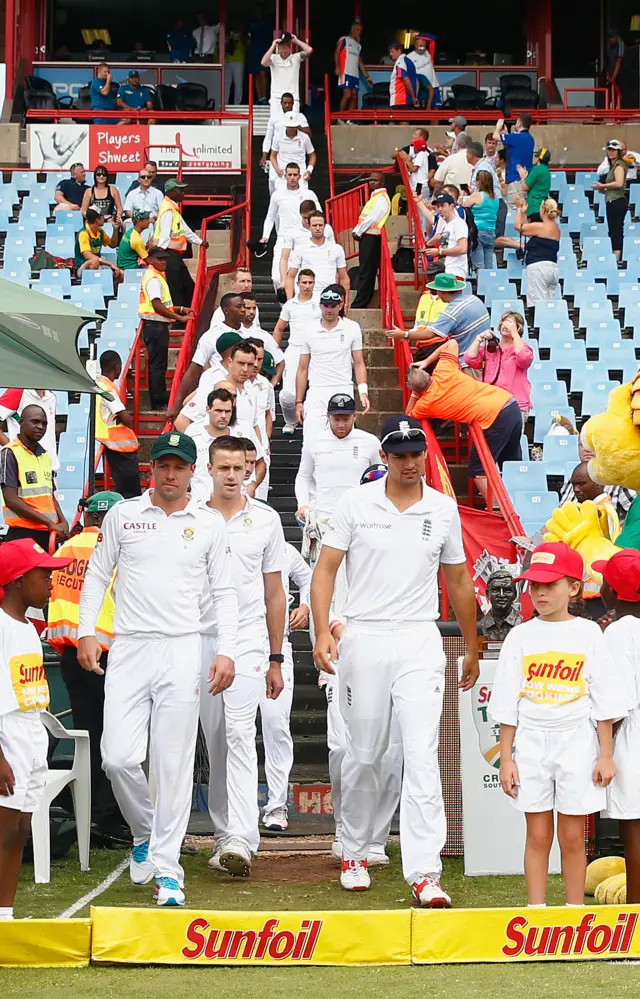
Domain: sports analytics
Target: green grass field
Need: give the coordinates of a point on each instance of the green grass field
(301, 882)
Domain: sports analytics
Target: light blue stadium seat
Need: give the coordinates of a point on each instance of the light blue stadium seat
(594, 234)
(567, 264)
(515, 267)
(62, 403)
(9, 193)
(598, 249)
(545, 417)
(574, 280)
(595, 312)
(602, 331)
(73, 444)
(52, 290)
(102, 279)
(594, 397)
(121, 345)
(129, 291)
(535, 508)
(19, 274)
(61, 246)
(4, 219)
(22, 244)
(24, 180)
(566, 244)
(548, 394)
(588, 374)
(585, 178)
(68, 500)
(558, 331)
(568, 354)
(116, 329)
(73, 220)
(79, 416)
(632, 315)
(123, 311)
(587, 294)
(629, 294)
(541, 371)
(60, 229)
(576, 218)
(528, 476)
(558, 180)
(617, 353)
(524, 447)
(60, 276)
(497, 288)
(33, 204)
(487, 277)
(34, 218)
(631, 247)
(550, 311)
(558, 450)
(90, 295)
(18, 231)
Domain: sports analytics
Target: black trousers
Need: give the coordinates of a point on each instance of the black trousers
(155, 336)
(86, 696)
(19, 533)
(123, 466)
(179, 280)
(616, 211)
(369, 252)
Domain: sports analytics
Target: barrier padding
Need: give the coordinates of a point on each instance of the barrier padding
(45, 943)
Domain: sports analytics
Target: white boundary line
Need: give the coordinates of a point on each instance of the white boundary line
(98, 890)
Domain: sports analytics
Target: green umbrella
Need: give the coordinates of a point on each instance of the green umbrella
(38, 341)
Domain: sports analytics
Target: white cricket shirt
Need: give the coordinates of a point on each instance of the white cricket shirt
(285, 75)
(622, 639)
(269, 342)
(330, 465)
(298, 570)
(284, 209)
(324, 259)
(424, 67)
(14, 401)
(196, 408)
(299, 236)
(294, 150)
(201, 481)
(352, 50)
(392, 558)
(299, 316)
(276, 127)
(164, 564)
(206, 349)
(217, 319)
(330, 357)
(265, 397)
(257, 545)
(556, 675)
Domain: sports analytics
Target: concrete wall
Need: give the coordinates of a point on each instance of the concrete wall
(570, 144)
(10, 144)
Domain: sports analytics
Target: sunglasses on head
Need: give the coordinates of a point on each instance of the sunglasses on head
(330, 298)
(411, 433)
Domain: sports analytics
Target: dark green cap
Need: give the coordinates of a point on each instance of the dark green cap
(171, 185)
(226, 340)
(175, 443)
(268, 366)
(101, 502)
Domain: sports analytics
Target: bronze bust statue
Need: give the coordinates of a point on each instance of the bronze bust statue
(502, 617)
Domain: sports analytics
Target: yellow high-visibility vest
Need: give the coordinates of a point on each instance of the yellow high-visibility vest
(66, 589)
(377, 227)
(178, 238)
(114, 436)
(35, 487)
(145, 305)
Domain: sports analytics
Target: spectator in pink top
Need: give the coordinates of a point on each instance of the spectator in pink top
(505, 361)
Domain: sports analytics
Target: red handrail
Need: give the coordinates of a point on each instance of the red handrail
(439, 116)
(249, 181)
(342, 212)
(136, 115)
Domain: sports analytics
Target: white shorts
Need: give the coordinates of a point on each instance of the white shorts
(623, 793)
(24, 742)
(556, 770)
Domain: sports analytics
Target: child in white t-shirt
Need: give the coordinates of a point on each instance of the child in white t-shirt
(25, 574)
(621, 592)
(555, 678)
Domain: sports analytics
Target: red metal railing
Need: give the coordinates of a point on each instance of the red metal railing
(342, 212)
(327, 132)
(541, 116)
(249, 181)
(139, 115)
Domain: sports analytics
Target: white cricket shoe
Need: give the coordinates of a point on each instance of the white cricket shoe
(236, 858)
(336, 849)
(140, 867)
(289, 428)
(377, 856)
(277, 820)
(168, 892)
(428, 894)
(214, 859)
(354, 875)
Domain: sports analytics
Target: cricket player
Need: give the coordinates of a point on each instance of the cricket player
(229, 723)
(330, 351)
(275, 715)
(299, 312)
(168, 550)
(394, 534)
(284, 213)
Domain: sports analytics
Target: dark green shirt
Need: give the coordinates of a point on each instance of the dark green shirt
(538, 180)
(629, 537)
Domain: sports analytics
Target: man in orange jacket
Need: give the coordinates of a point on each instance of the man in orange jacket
(114, 429)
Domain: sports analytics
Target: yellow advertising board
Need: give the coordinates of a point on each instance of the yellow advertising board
(190, 936)
(45, 943)
(555, 934)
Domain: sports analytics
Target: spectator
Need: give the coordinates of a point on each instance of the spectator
(614, 56)
(614, 186)
(132, 251)
(536, 183)
(285, 68)
(519, 147)
(349, 66)
(30, 508)
(447, 394)
(180, 42)
(102, 197)
(103, 94)
(260, 35)
(504, 362)
(452, 243)
(323, 256)
(420, 161)
(235, 52)
(292, 145)
(89, 243)
(69, 193)
(491, 149)
(133, 97)
(541, 252)
(586, 488)
(455, 169)
(368, 234)
(172, 234)
(12, 404)
(478, 161)
(205, 37)
(463, 317)
(426, 77)
(150, 167)
(157, 313)
(429, 307)
(458, 129)
(114, 429)
(403, 83)
(143, 197)
(484, 205)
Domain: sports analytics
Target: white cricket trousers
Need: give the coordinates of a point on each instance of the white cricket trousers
(233, 76)
(276, 736)
(288, 390)
(229, 724)
(275, 263)
(386, 668)
(315, 409)
(151, 699)
(262, 492)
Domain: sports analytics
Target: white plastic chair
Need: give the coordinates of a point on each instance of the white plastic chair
(79, 777)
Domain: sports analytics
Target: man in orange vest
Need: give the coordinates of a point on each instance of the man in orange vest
(86, 690)
(174, 235)
(158, 313)
(30, 509)
(114, 429)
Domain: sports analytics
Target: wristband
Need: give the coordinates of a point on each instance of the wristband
(276, 657)
(310, 168)
(363, 389)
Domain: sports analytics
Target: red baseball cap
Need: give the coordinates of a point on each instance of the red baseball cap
(622, 573)
(419, 145)
(19, 557)
(552, 561)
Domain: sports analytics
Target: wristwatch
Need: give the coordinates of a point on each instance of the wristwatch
(276, 657)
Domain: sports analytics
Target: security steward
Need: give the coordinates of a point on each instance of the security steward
(86, 690)
(29, 508)
(157, 312)
(114, 429)
(172, 234)
(368, 235)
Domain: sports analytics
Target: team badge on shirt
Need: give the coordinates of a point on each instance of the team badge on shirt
(188, 534)
(426, 529)
(247, 522)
